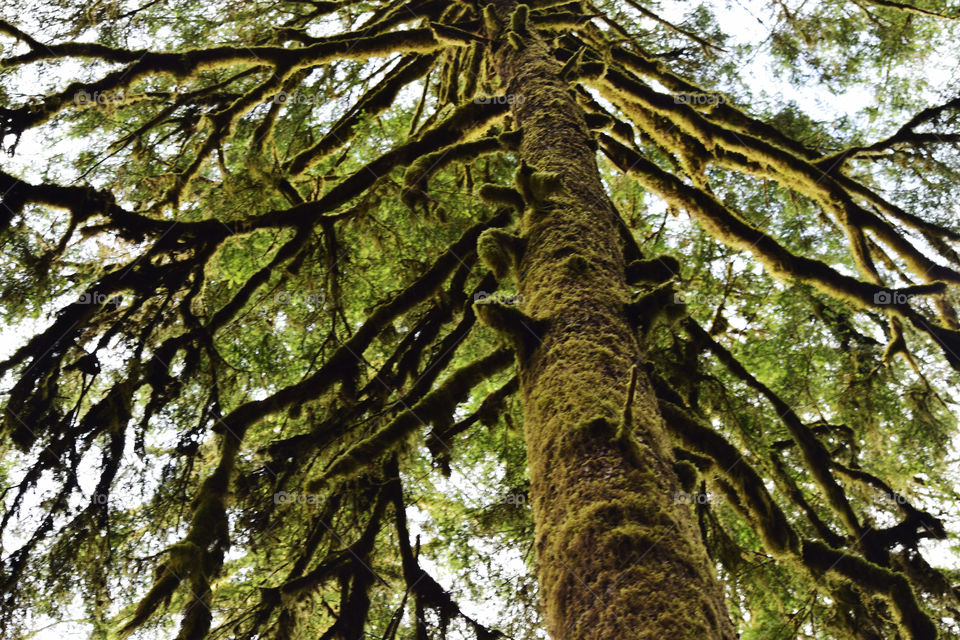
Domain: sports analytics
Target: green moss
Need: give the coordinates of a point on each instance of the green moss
(522, 332)
(500, 251)
(687, 474)
(598, 121)
(570, 68)
(491, 22)
(499, 195)
(544, 184)
(518, 19)
(653, 271)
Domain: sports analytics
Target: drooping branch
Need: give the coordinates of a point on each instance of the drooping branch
(909, 8)
(733, 231)
(428, 591)
(436, 406)
(186, 64)
(373, 102)
(817, 557)
(438, 441)
(817, 459)
(905, 135)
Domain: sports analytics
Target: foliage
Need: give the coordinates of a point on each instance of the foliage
(250, 395)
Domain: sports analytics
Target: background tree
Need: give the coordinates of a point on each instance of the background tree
(715, 354)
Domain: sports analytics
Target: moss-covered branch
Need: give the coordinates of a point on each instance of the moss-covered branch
(436, 406)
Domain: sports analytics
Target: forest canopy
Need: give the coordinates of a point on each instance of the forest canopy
(462, 319)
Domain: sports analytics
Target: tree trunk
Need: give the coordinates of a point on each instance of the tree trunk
(617, 556)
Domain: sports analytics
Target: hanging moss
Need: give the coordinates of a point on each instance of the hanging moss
(687, 475)
(435, 407)
(167, 581)
(491, 22)
(544, 184)
(440, 439)
(914, 623)
(518, 19)
(536, 186)
(560, 20)
(765, 515)
(522, 332)
(625, 430)
(589, 70)
(571, 68)
(374, 101)
(417, 175)
(543, 5)
(500, 251)
(653, 271)
(199, 556)
(767, 159)
(815, 456)
(452, 35)
(471, 76)
(503, 196)
(448, 79)
(702, 464)
(659, 306)
(736, 233)
(598, 121)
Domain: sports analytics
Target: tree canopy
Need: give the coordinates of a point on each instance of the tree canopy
(265, 300)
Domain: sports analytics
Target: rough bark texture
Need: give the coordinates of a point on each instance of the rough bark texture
(618, 557)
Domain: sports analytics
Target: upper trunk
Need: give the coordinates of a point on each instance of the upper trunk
(617, 556)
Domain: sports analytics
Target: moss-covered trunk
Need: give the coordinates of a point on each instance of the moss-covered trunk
(617, 556)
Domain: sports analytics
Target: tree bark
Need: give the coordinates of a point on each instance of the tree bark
(618, 557)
